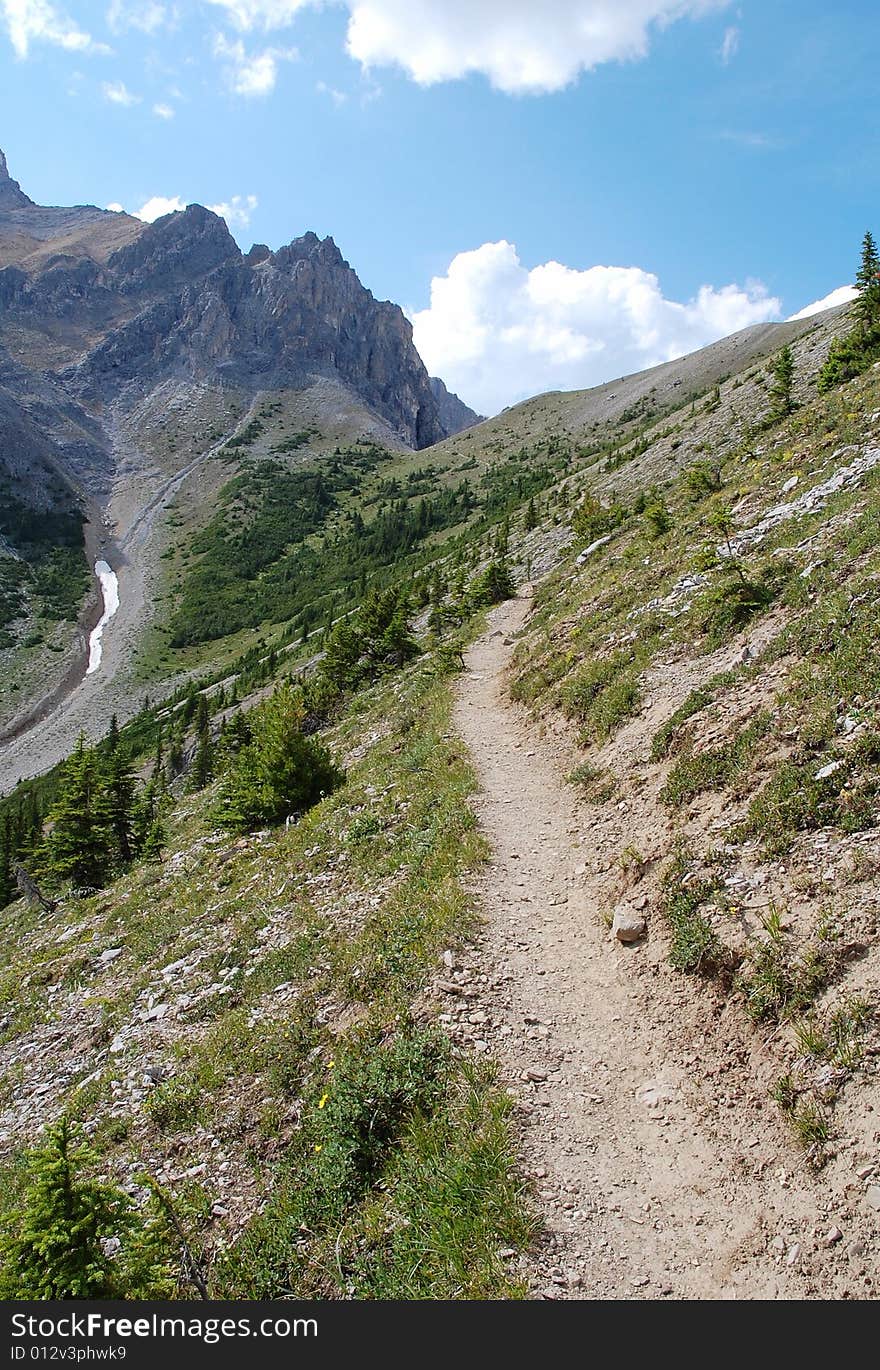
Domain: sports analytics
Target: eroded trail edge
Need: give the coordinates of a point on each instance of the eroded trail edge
(646, 1188)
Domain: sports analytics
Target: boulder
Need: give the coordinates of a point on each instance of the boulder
(627, 925)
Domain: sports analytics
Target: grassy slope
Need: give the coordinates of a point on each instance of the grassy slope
(730, 757)
(202, 1052)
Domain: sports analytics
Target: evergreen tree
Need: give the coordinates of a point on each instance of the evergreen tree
(531, 518)
(494, 585)
(782, 371)
(159, 758)
(120, 784)
(858, 349)
(202, 770)
(81, 842)
(56, 1246)
(7, 878)
(867, 307)
(280, 772)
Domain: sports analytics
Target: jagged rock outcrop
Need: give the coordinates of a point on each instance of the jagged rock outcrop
(11, 194)
(271, 320)
(455, 415)
(115, 307)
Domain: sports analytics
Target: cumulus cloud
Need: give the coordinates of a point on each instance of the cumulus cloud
(163, 111)
(338, 97)
(156, 207)
(729, 45)
(497, 331)
(117, 93)
(147, 16)
(39, 21)
(519, 45)
(236, 211)
(251, 74)
(842, 295)
(264, 14)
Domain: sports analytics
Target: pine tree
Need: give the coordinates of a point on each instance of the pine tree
(281, 771)
(81, 842)
(56, 1252)
(121, 788)
(55, 1248)
(782, 372)
(868, 285)
(531, 518)
(159, 758)
(202, 770)
(7, 878)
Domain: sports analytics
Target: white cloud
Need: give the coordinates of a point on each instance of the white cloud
(115, 207)
(842, 295)
(519, 45)
(117, 93)
(163, 111)
(251, 74)
(338, 97)
(157, 206)
(236, 211)
(39, 21)
(729, 45)
(147, 16)
(498, 332)
(264, 14)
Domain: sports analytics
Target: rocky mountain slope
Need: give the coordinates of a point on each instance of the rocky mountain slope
(675, 728)
(661, 921)
(130, 352)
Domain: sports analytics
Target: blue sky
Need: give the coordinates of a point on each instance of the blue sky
(569, 175)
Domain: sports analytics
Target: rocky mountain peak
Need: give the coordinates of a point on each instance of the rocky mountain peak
(11, 194)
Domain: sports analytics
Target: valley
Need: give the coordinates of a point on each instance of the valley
(438, 855)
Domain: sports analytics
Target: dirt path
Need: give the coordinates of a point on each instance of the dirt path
(643, 1193)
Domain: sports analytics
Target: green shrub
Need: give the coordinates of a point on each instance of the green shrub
(847, 358)
(695, 947)
(279, 772)
(732, 601)
(602, 693)
(398, 1183)
(493, 585)
(658, 519)
(592, 519)
(53, 1247)
(174, 1103)
(713, 769)
(701, 480)
(779, 981)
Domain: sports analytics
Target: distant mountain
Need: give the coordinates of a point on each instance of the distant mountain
(130, 353)
(454, 413)
(106, 301)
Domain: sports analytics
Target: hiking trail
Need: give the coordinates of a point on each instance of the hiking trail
(642, 1190)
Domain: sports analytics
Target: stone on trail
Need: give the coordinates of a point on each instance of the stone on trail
(627, 925)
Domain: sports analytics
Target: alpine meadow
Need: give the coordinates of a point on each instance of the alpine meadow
(439, 818)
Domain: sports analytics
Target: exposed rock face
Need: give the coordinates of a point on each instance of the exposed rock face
(11, 194)
(454, 413)
(115, 307)
(263, 320)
